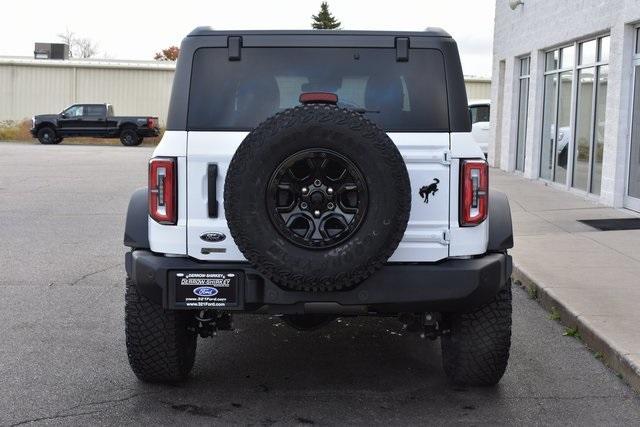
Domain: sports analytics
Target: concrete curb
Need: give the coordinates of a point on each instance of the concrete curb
(613, 357)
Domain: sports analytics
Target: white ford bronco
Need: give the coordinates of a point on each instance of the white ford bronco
(316, 174)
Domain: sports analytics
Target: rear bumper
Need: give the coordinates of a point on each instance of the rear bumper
(447, 286)
(148, 132)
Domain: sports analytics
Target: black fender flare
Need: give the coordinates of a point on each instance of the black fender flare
(136, 231)
(500, 227)
(47, 124)
(127, 125)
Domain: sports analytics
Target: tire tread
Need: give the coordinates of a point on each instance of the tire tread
(160, 345)
(476, 352)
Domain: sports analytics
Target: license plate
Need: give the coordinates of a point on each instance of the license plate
(205, 289)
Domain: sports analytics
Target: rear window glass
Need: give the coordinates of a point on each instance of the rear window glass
(238, 95)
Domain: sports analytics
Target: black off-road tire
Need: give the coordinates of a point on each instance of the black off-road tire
(317, 127)
(129, 137)
(161, 344)
(47, 135)
(476, 351)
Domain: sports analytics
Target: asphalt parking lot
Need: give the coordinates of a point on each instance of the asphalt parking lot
(63, 359)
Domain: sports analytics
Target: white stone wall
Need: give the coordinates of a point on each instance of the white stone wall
(537, 26)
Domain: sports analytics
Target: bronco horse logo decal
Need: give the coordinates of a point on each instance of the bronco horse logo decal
(429, 189)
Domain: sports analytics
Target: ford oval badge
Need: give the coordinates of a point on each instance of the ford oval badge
(205, 291)
(212, 236)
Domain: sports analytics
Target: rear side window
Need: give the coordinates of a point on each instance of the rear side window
(479, 113)
(94, 110)
(238, 95)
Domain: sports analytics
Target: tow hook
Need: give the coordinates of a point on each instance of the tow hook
(209, 322)
(432, 326)
(429, 325)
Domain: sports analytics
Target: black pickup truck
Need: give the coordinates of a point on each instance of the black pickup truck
(93, 120)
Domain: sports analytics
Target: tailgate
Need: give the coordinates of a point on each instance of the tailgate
(426, 237)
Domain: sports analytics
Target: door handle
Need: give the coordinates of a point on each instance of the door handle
(212, 197)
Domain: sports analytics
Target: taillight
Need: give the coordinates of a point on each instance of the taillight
(152, 122)
(163, 190)
(474, 192)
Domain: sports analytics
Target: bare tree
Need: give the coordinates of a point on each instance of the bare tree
(85, 47)
(68, 38)
(79, 47)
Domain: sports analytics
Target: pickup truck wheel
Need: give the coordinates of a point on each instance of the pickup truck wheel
(47, 135)
(476, 351)
(317, 198)
(161, 344)
(129, 138)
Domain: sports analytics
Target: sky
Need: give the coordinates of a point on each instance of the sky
(137, 29)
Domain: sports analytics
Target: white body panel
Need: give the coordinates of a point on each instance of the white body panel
(205, 148)
(424, 155)
(432, 232)
(480, 132)
(172, 239)
(465, 240)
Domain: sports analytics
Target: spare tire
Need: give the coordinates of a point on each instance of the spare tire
(317, 198)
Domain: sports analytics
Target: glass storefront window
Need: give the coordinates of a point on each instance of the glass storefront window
(598, 138)
(633, 187)
(603, 55)
(522, 124)
(567, 57)
(524, 67)
(564, 134)
(548, 126)
(523, 102)
(552, 60)
(574, 117)
(584, 112)
(588, 52)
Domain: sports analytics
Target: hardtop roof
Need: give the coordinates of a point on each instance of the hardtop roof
(428, 32)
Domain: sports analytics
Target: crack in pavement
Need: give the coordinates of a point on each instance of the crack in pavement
(63, 413)
(81, 278)
(75, 282)
(52, 417)
(116, 400)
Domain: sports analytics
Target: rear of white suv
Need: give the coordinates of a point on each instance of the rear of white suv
(316, 174)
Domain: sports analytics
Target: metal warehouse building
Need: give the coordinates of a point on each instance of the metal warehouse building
(566, 95)
(37, 86)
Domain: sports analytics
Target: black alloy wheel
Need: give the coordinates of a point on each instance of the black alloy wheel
(317, 198)
(47, 135)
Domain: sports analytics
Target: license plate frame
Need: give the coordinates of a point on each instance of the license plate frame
(205, 289)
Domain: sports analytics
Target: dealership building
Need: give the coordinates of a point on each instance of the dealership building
(566, 95)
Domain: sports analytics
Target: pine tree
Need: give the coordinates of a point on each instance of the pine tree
(324, 20)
